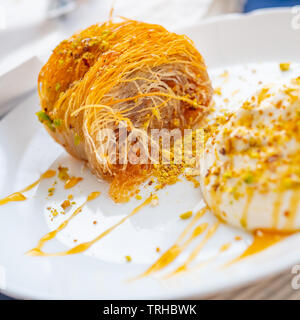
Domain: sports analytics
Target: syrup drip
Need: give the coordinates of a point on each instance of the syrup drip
(72, 182)
(86, 245)
(225, 247)
(276, 210)
(263, 239)
(18, 196)
(37, 251)
(196, 251)
(293, 208)
(173, 252)
(244, 219)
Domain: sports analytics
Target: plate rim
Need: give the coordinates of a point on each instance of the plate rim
(27, 293)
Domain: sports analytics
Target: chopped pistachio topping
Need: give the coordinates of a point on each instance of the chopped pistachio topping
(63, 174)
(57, 123)
(265, 136)
(249, 178)
(45, 119)
(77, 139)
(57, 86)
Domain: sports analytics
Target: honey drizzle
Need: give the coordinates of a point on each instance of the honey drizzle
(18, 196)
(244, 218)
(174, 251)
(216, 197)
(189, 227)
(276, 210)
(225, 247)
(196, 251)
(294, 203)
(12, 197)
(262, 240)
(37, 251)
(170, 255)
(86, 245)
(72, 182)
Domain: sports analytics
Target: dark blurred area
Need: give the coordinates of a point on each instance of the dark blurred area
(259, 4)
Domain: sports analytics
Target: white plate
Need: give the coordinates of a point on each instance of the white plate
(260, 40)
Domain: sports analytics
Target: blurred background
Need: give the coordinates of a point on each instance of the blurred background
(32, 27)
(29, 29)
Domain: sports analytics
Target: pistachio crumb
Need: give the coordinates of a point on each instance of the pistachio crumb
(284, 66)
(186, 215)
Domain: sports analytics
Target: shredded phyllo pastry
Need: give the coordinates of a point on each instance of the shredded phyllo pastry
(129, 74)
